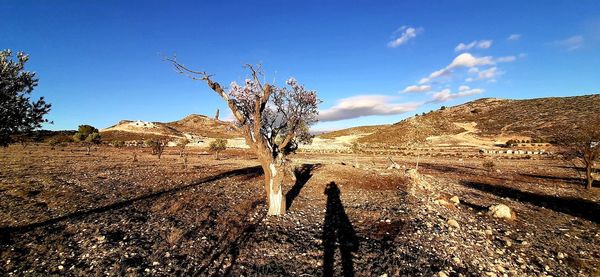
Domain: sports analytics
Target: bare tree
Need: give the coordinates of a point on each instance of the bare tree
(182, 143)
(415, 138)
(582, 143)
(273, 120)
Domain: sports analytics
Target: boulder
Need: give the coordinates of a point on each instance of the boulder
(501, 211)
(455, 200)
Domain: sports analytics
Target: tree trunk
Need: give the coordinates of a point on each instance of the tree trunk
(88, 150)
(417, 166)
(588, 175)
(275, 170)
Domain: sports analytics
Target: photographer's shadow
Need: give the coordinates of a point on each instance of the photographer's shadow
(337, 232)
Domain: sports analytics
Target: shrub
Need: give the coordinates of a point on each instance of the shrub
(217, 146)
(53, 142)
(158, 146)
(489, 165)
(87, 135)
(511, 142)
(118, 143)
(355, 147)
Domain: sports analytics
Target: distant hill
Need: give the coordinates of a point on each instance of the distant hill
(205, 126)
(486, 121)
(192, 125)
(354, 131)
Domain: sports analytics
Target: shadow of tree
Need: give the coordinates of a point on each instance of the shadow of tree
(579, 181)
(574, 206)
(303, 173)
(337, 231)
(7, 231)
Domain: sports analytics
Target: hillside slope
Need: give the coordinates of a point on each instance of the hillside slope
(490, 120)
(192, 125)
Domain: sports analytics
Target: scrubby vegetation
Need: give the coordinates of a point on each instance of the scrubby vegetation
(218, 145)
(88, 136)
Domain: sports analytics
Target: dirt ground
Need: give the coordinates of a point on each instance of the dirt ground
(63, 212)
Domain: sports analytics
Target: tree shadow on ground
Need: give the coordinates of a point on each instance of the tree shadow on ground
(5, 232)
(303, 173)
(573, 180)
(337, 232)
(574, 206)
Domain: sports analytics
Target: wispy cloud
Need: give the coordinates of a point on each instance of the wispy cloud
(571, 43)
(506, 59)
(365, 105)
(446, 94)
(513, 37)
(481, 44)
(488, 74)
(403, 35)
(423, 88)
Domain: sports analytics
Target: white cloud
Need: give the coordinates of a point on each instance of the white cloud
(506, 59)
(468, 80)
(463, 88)
(489, 73)
(365, 105)
(514, 37)
(481, 44)
(570, 44)
(462, 60)
(445, 94)
(406, 33)
(473, 70)
(468, 60)
(422, 88)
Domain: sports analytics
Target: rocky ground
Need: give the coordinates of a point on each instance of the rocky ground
(65, 213)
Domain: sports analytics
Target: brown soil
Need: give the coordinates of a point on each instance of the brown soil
(66, 213)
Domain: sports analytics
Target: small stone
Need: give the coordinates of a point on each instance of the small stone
(488, 232)
(441, 202)
(442, 274)
(560, 255)
(455, 200)
(500, 211)
(155, 263)
(453, 223)
(383, 275)
(60, 267)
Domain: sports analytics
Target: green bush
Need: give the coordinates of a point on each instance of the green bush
(118, 143)
(217, 146)
(87, 135)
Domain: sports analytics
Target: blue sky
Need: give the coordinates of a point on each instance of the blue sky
(100, 61)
